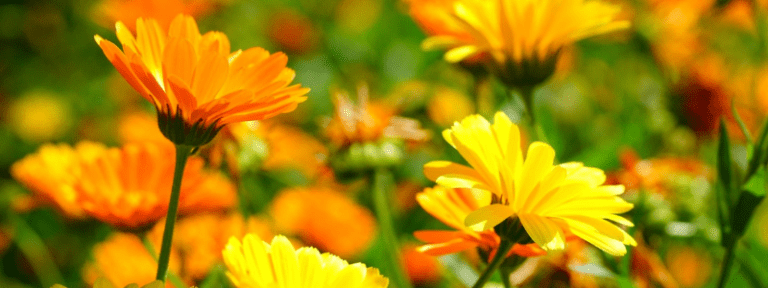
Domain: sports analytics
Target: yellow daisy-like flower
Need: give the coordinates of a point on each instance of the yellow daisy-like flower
(257, 264)
(126, 187)
(195, 83)
(523, 37)
(549, 200)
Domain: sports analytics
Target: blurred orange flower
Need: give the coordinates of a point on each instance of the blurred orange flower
(200, 238)
(422, 269)
(324, 218)
(139, 126)
(366, 122)
(126, 187)
(195, 83)
(52, 173)
(451, 206)
(128, 11)
(448, 105)
(123, 259)
(654, 175)
(293, 31)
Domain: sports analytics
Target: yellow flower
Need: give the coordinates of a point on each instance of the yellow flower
(523, 37)
(195, 83)
(39, 116)
(126, 187)
(549, 200)
(257, 264)
(451, 206)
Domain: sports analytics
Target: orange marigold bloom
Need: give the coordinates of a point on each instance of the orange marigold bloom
(451, 206)
(127, 187)
(655, 175)
(52, 173)
(338, 225)
(195, 83)
(366, 122)
(127, 11)
(123, 259)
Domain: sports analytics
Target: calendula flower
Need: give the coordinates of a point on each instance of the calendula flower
(548, 200)
(52, 173)
(253, 263)
(367, 121)
(196, 84)
(451, 206)
(123, 259)
(127, 11)
(127, 187)
(339, 226)
(524, 37)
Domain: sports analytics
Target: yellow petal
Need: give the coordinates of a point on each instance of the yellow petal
(543, 231)
(487, 217)
(285, 263)
(460, 53)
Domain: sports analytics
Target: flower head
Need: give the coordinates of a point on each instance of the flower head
(127, 187)
(451, 206)
(548, 200)
(253, 263)
(522, 37)
(195, 83)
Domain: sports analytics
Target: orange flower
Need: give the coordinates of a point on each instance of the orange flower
(123, 259)
(139, 127)
(127, 187)
(435, 17)
(655, 175)
(195, 83)
(53, 172)
(367, 122)
(200, 238)
(325, 219)
(127, 11)
(422, 269)
(451, 206)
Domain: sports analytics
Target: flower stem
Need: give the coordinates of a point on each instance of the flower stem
(382, 180)
(501, 253)
(182, 153)
(527, 95)
(727, 263)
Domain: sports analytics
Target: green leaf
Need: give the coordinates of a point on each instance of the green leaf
(757, 151)
(725, 175)
(753, 193)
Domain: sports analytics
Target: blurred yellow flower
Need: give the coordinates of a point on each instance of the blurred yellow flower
(523, 37)
(123, 259)
(451, 206)
(195, 83)
(447, 106)
(257, 264)
(126, 187)
(39, 116)
(549, 200)
(339, 225)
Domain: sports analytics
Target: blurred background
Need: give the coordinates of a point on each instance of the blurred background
(642, 104)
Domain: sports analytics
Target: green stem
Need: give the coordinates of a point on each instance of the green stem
(527, 94)
(182, 153)
(35, 251)
(505, 272)
(727, 263)
(382, 180)
(501, 253)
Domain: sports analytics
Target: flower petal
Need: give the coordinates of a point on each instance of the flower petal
(487, 217)
(543, 231)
